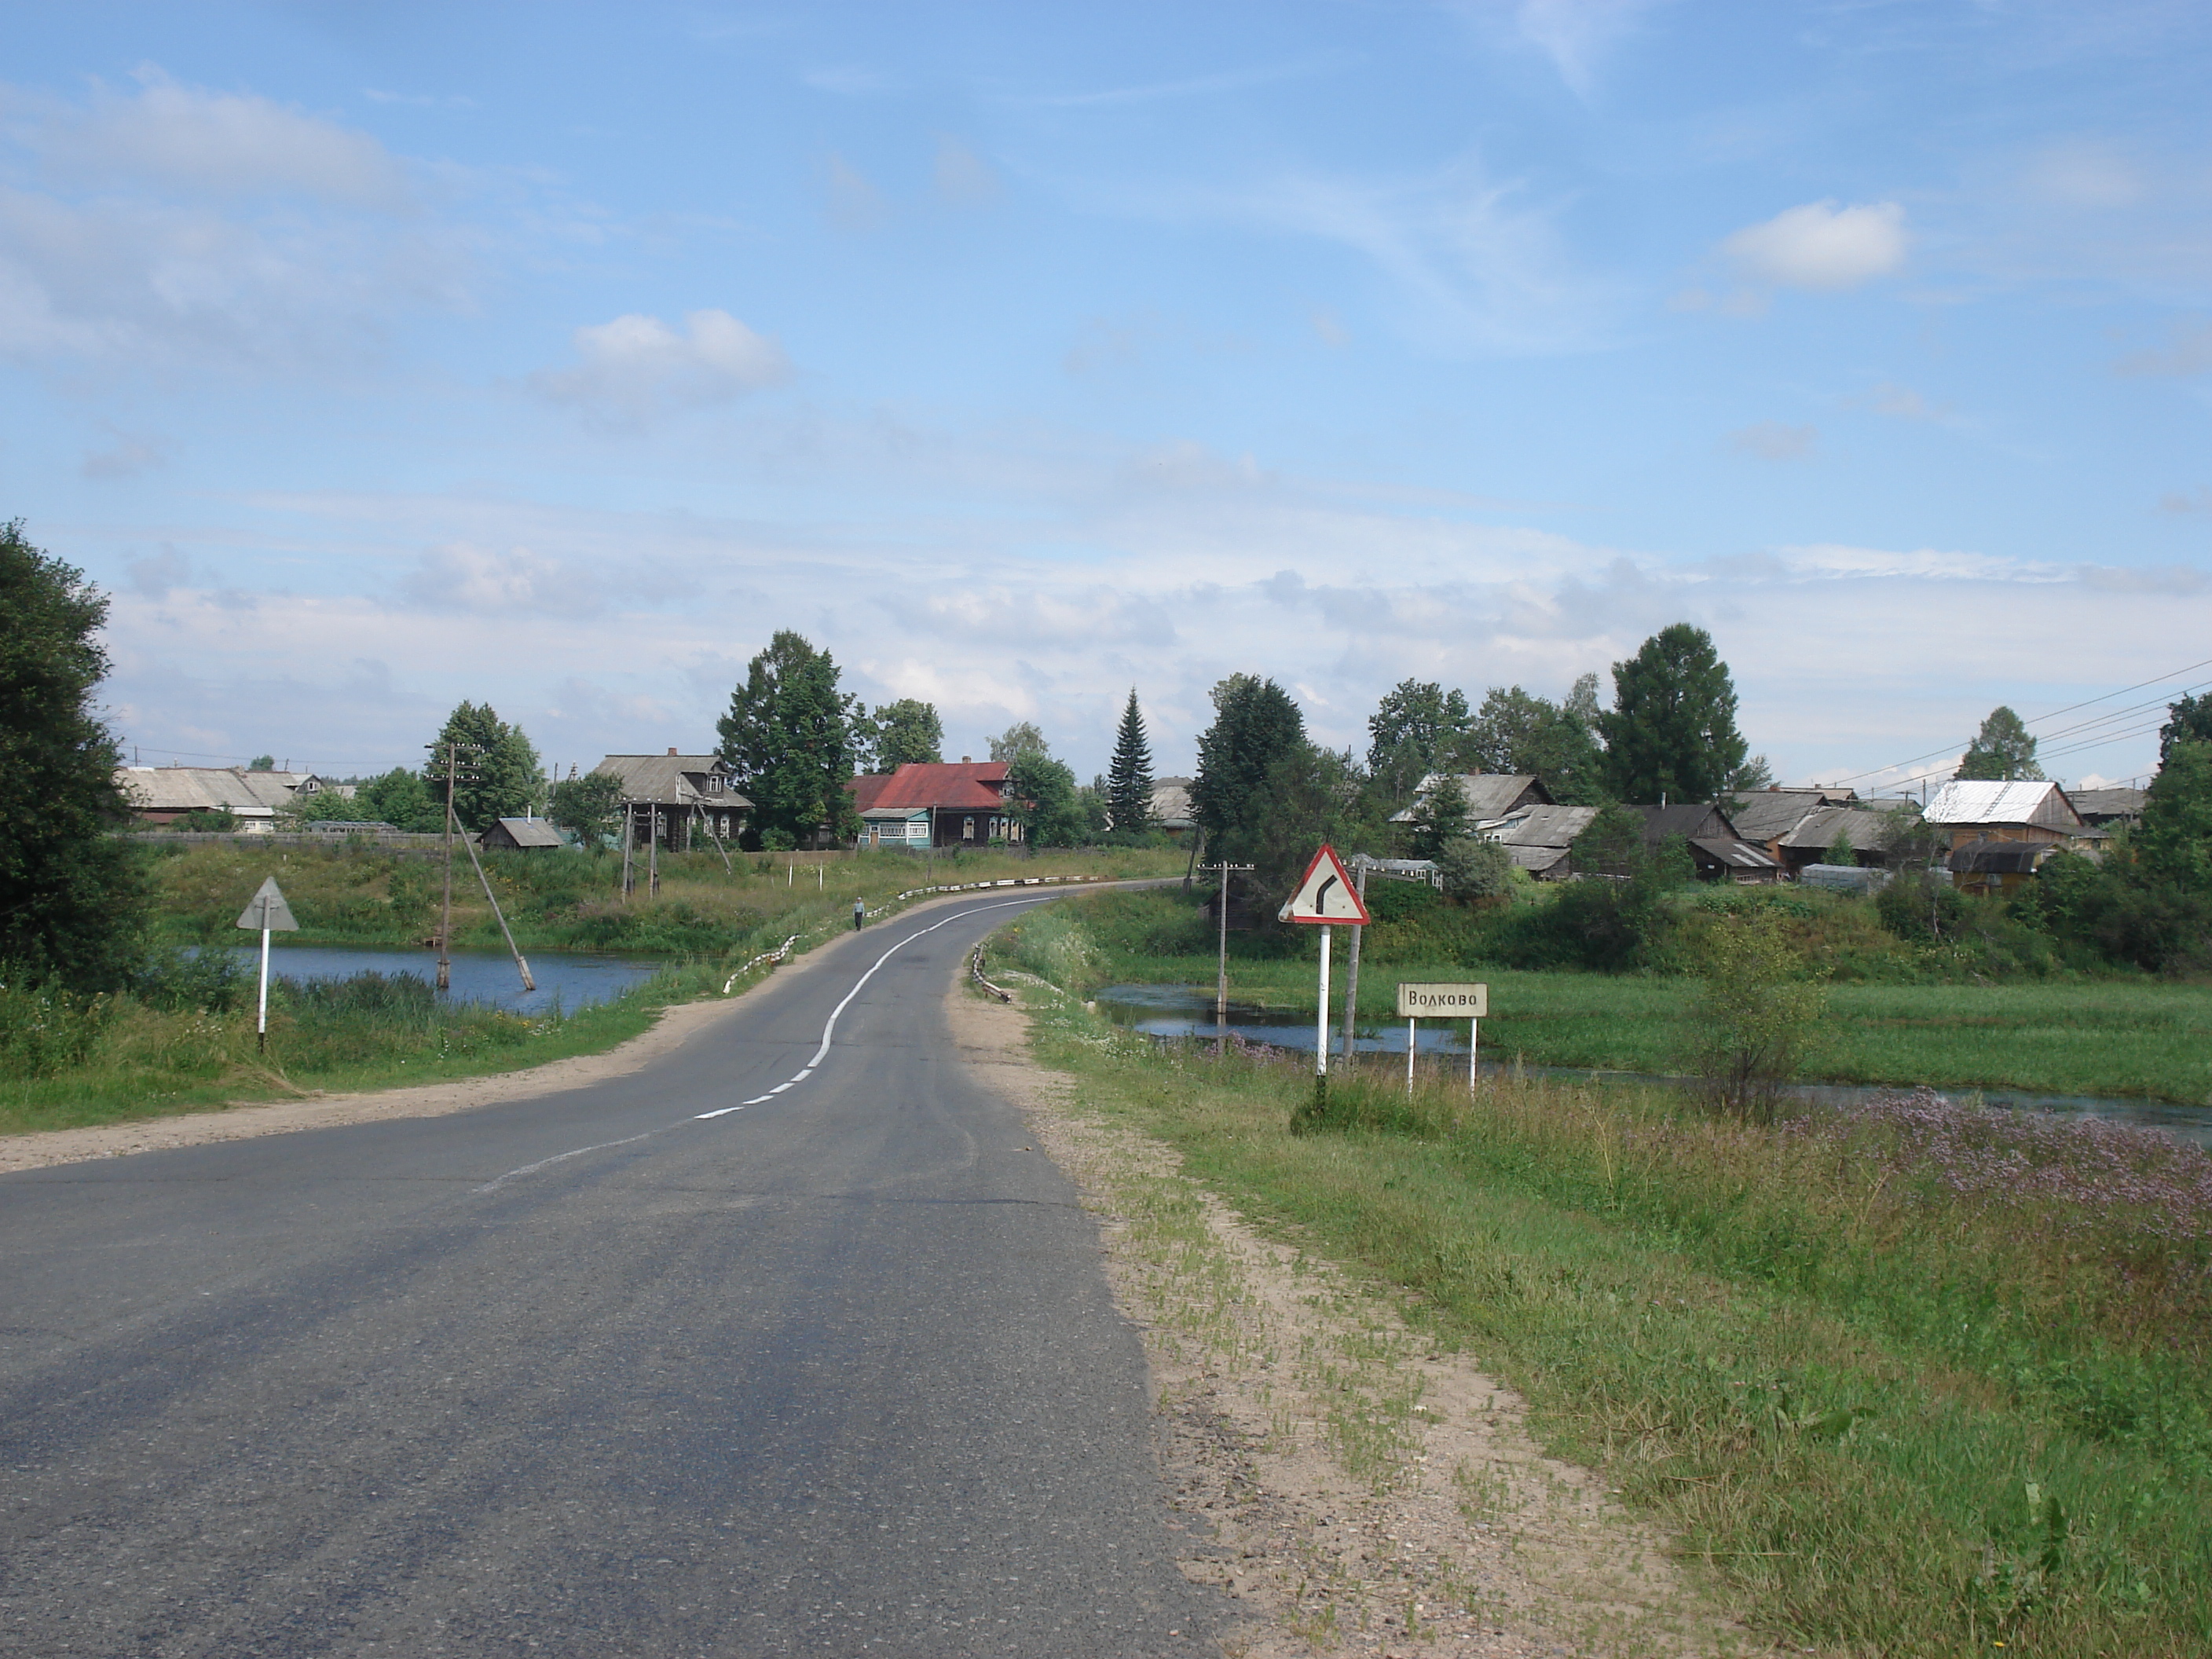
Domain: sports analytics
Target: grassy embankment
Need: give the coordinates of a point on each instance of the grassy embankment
(1915, 1379)
(2111, 1036)
(183, 1039)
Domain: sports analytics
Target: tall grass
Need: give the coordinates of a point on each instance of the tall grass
(1915, 1378)
(2116, 1036)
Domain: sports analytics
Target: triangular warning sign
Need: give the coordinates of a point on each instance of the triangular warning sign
(267, 909)
(1325, 894)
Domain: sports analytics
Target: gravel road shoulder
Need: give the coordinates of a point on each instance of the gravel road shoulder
(1360, 1490)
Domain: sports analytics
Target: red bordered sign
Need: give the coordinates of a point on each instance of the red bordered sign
(1325, 896)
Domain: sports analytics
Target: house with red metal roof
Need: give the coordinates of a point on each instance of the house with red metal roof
(935, 804)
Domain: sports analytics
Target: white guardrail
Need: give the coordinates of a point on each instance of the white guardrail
(783, 950)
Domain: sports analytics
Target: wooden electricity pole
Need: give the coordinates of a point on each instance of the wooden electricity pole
(1351, 974)
(1221, 960)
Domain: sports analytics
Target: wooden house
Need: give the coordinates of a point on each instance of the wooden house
(1489, 795)
(1539, 839)
(1716, 850)
(681, 800)
(936, 804)
(1971, 809)
(162, 794)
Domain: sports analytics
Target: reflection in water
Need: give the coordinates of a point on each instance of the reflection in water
(1186, 1011)
(480, 977)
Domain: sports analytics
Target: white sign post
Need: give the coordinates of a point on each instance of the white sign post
(1468, 1002)
(268, 911)
(1325, 898)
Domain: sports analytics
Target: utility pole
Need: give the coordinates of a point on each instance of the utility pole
(445, 911)
(1352, 989)
(629, 837)
(1221, 974)
(653, 854)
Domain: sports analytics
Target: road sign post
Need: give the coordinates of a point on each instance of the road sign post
(1325, 898)
(1468, 1002)
(267, 911)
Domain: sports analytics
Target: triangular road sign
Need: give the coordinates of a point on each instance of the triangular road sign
(267, 909)
(1325, 894)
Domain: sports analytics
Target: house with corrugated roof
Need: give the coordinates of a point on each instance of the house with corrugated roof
(162, 794)
(1539, 839)
(1488, 794)
(1977, 810)
(927, 804)
(676, 800)
(520, 835)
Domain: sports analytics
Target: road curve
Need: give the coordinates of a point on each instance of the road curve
(786, 1344)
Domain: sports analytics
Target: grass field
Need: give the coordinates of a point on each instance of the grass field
(2115, 1037)
(1919, 1379)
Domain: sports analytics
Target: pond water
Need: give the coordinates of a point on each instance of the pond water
(482, 976)
(1186, 1011)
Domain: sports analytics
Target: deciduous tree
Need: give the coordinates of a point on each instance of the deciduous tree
(587, 807)
(2001, 751)
(788, 738)
(497, 772)
(72, 900)
(1414, 732)
(1517, 732)
(897, 733)
(1021, 736)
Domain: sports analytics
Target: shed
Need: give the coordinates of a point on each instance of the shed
(1718, 852)
(1990, 868)
(1807, 844)
(520, 835)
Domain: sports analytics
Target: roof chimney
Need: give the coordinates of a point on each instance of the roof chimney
(672, 751)
(965, 760)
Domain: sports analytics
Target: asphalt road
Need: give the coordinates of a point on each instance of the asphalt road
(835, 1372)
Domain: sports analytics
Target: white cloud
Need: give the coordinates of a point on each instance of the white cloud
(214, 143)
(853, 202)
(1771, 440)
(1821, 247)
(960, 177)
(177, 227)
(637, 367)
(2189, 353)
(1575, 33)
(461, 576)
(126, 456)
(1901, 403)
(1475, 263)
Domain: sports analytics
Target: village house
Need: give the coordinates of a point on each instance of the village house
(1821, 829)
(1539, 839)
(2001, 833)
(675, 799)
(2104, 808)
(1718, 852)
(162, 794)
(928, 804)
(1489, 795)
(1767, 815)
(1172, 810)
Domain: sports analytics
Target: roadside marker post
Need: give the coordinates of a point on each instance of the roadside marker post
(267, 911)
(1468, 1002)
(1326, 897)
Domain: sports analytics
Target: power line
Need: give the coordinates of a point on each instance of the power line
(1933, 754)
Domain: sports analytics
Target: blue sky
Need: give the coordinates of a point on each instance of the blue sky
(376, 357)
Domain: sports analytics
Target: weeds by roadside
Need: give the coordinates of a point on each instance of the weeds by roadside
(1917, 1379)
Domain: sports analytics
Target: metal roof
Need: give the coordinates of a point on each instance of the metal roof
(959, 785)
(1978, 801)
(1489, 794)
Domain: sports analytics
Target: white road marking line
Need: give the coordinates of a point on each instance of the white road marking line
(719, 1111)
(829, 1026)
(563, 1157)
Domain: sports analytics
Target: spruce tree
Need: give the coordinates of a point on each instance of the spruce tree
(1129, 781)
(1671, 733)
